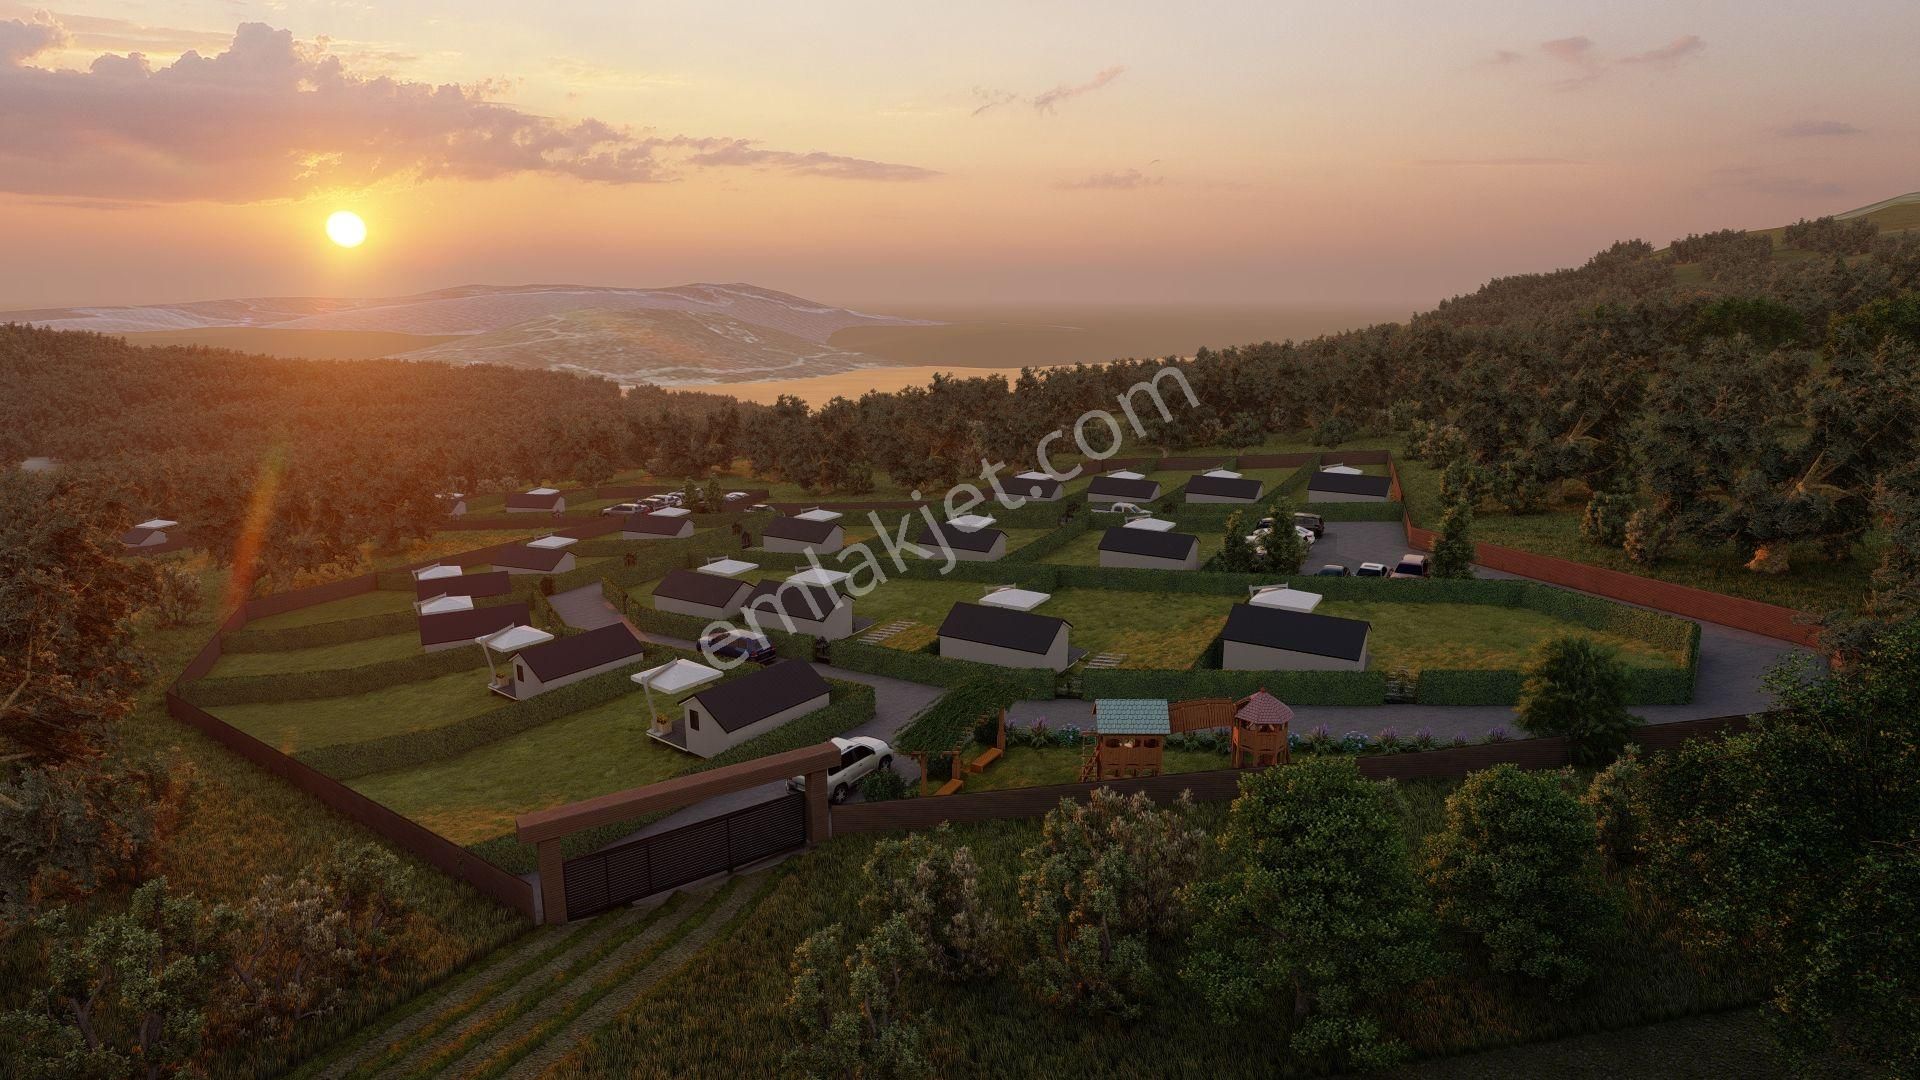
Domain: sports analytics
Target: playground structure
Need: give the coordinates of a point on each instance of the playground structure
(1130, 734)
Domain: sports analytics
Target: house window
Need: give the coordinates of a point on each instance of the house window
(693, 719)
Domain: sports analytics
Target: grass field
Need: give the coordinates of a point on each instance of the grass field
(293, 726)
(1476, 636)
(360, 605)
(476, 796)
(320, 658)
(1153, 630)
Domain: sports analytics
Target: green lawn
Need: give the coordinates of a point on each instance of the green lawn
(476, 796)
(451, 542)
(1026, 766)
(321, 658)
(293, 726)
(1475, 636)
(1153, 630)
(376, 602)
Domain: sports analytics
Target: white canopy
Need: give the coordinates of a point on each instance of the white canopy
(1031, 476)
(1223, 474)
(1017, 599)
(1127, 474)
(671, 512)
(819, 575)
(543, 491)
(428, 573)
(1148, 524)
(726, 567)
(1279, 596)
(674, 676)
(1343, 470)
(971, 522)
(551, 543)
(443, 603)
(514, 638)
(156, 523)
(817, 514)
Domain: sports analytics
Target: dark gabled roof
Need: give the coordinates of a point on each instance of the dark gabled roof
(811, 603)
(1045, 488)
(807, 532)
(467, 625)
(1021, 631)
(133, 537)
(521, 500)
(1349, 484)
(655, 525)
(1124, 489)
(1157, 545)
(694, 587)
(779, 686)
(959, 539)
(497, 583)
(522, 557)
(1297, 631)
(565, 655)
(1224, 487)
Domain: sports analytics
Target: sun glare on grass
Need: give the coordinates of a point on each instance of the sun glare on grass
(345, 228)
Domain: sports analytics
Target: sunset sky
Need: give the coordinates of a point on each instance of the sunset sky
(1260, 152)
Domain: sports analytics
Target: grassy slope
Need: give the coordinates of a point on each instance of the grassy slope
(320, 658)
(375, 602)
(294, 726)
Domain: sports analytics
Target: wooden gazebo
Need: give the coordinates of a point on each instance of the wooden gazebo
(1260, 723)
(1130, 737)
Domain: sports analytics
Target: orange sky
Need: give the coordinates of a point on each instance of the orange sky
(882, 153)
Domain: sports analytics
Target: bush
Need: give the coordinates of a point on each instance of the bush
(885, 785)
(851, 1010)
(1604, 521)
(936, 889)
(1515, 867)
(1617, 799)
(1578, 688)
(1453, 550)
(176, 595)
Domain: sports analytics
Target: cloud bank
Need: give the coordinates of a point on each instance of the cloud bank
(272, 118)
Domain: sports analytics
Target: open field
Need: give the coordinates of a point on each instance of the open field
(293, 726)
(319, 658)
(1153, 630)
(301, 344)
(376, 602)
(1475, 636)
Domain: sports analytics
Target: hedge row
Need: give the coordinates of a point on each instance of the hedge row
(1028, 683)
(415, 748)
(1356, 511)
(337, 632)
(1052, 542)
(950, 720)
(1293, 687)
(1645, 686)
(689, 628)
(310, 685)
(851, 705)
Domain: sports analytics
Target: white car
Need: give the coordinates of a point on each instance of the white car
(1371, 569)
(1129, 509)
(859, 756)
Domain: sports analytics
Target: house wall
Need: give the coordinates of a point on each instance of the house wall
(459, 507)
(1341, 496)
(526, 684)
(710, 738)
(1193, 498)
(1148, 562)
(1055, 658)
(834, 542)
(559, 507)
(688, 607)
(1094, 497)
(686, 530)
(154, 539)
(993, 554)
(1240, 656)
(837, 624)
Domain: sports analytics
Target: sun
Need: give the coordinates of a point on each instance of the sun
(345, 228)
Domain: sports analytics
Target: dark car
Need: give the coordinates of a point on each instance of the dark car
(1333, 569)
(1313, 523)
(739, 643)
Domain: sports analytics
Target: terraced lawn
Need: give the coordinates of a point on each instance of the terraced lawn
(320, 658)
(1475, 636)
(293, 726)
(1154, 630)
(377, 602)
(476, 796)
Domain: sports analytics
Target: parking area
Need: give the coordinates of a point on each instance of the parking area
(1351, 543)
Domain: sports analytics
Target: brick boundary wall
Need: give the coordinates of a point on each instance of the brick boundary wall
(1222, 785)
(1767, 620)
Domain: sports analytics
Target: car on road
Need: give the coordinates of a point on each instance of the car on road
(620, 509)
(734, 496)
(1314, 523)
(1126, 508)
(759, 508)
(1333, 569)
(1411, 566)
(1371, 569)
(859, 756)
(743, 644)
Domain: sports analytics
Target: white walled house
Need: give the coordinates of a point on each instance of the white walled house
(966, 545)
(1113, 489)
(540, 500)
(451, 629)
(724, 716)
(1277, 639)
(795, 608)
(1006, 637)
(539, 668)
(1327, 487)
(524, 559)
(708, 596)
(1213, 488)
(1142, 549)
(656, 527)
(799, 535)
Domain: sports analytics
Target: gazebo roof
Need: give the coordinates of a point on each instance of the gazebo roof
(1263, 709)
(1131, 716)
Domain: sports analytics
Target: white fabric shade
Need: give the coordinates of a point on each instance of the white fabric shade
(1127, 474)
(1148, 524)
(727, 567)
(671, 512)
(428, 573)
(543, 491)
(674, 676)
(970, 522)
(550, 543)
(443, 603)
(157, 523)
(1343, 470)
(819, 575)
(1017, 599)
(514, 638)
(1279, 596)
(817, 514)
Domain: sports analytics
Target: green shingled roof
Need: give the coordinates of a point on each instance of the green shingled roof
(1130, 716)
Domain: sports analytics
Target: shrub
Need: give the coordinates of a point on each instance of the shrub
(1515, 867)
(1604, 521)
(176, 595)
(885, 785)
(851, 1011)
(1617, 799)
(936, 889)
(1578, 688)
(1453, 549)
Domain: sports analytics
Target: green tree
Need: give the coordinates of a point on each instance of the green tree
(1604, 521)
(1617, 797)
(1577, 687)
(936, 888)
(852, 1012)
(1453, 550)
(1515, 867)
(1285, 550)
(176, 595)
(1316, 910)
(1236, 553)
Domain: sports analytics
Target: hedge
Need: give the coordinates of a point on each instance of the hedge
(1294, 687)
(1356, 511)
(1029, 683)
(950, 720)
(337, 632)
(334, 682)
(689, 628)
(1052, 542)
(1004, 572)
(411, 749)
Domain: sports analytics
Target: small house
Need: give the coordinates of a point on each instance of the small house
(1260, 723)
(1037, 486)
(734, 711)
(564, 660)
(1141, 549)
(801, 535)
(1009, 638)
(1275, 639)
(795, 607)
(1114, 488)
(1215, 488)
(1130, 737)
(540, 500)
(526, 559)
(149, 533)
(707, 596)
(453, 502)
(967, 545)
(478, 586)
(656, 526)
(447, 629)
(1327, 487)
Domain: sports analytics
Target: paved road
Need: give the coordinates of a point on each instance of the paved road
(584, 608)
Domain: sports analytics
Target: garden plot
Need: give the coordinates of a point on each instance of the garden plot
(296, 726)
(377, 602)
(1154, 630)
(349, 654)
(1477, 637)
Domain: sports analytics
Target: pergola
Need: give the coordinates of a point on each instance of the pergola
(1260, 723)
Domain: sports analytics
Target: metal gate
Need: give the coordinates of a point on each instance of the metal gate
(651, 864)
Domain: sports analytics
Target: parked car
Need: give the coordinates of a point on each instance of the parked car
(735, 496)
(1411, 566)
(739, 643)
(859, 756)
(1333, 569)
(1312, 522)
(1371, 569)
(620, 509)
(1126, 508)
(759, 508)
